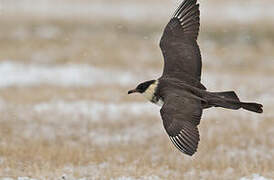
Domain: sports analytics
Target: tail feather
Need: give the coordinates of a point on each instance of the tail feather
(228, 95)
(230, 100)
(254, 107)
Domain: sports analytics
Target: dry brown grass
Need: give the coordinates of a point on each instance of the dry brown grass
(229, 149)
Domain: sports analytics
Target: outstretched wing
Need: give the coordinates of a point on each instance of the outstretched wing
(179, 45)
(181, 116)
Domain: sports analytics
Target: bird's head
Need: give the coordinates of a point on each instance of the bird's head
(142, 87)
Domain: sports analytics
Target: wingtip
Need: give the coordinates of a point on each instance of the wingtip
(260, 110)
(254, 107)
(188, 15)
(183, 146)
(185, 4)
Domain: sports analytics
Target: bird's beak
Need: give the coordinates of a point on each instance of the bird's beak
(132, 91)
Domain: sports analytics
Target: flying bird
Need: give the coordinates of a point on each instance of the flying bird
(179, 90)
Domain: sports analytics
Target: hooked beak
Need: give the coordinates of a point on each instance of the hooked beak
(132, 91)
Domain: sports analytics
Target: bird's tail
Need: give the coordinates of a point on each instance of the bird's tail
(230, 100)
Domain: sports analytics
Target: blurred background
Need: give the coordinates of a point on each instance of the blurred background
(66, 67)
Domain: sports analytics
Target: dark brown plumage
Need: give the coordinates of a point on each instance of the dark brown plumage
(179, 46)
(183, 62)
(179, 90)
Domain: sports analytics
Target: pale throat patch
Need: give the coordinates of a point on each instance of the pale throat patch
(149, 94)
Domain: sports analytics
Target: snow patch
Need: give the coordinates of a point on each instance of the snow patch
(76, 118)
(25, 178)
(95, 110)
(254, 177)
(18, 74)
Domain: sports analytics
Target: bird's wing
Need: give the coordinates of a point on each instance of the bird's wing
(182, 57)
(181, 116)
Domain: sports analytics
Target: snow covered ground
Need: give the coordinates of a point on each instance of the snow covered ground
(254, 11)
(85, 119)
(66, 67)
(18, 74)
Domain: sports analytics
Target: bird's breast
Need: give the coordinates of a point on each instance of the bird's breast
(150, 94)
(154, 99)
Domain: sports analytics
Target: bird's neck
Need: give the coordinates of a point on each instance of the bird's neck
(150, 94)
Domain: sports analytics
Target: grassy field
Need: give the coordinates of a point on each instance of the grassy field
(65, 112)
